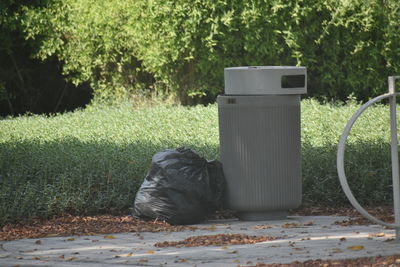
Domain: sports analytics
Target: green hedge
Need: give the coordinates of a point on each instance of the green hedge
(93, 41)
(181, 47)
(349, 47)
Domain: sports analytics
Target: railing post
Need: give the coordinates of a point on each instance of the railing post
(395, 153)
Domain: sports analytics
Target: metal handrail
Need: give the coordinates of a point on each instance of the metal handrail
(394, 154)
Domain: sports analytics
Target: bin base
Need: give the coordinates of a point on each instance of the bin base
(262, 216)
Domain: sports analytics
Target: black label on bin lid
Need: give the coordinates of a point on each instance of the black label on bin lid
(293, 81)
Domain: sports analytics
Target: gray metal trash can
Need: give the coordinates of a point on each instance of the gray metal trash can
(259, 125)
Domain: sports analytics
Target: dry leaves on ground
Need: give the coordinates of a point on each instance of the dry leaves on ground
(360, 262)
(104, 224)
(216, 240)
(384, 213)
(84, 225)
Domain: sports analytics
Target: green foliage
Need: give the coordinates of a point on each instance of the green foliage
(357, 47)
(28, 84)
(92, 161)
(187, 44)
(182, 47)
(9, 37)
(93, 40)
(347, 46)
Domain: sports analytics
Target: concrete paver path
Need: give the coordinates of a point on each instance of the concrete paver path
(301, 238)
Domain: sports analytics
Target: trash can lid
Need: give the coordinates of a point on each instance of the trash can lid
(264, 80)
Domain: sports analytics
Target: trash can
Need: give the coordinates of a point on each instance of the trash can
(259, 127)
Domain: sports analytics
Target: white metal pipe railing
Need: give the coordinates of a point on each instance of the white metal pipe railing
(394, 154)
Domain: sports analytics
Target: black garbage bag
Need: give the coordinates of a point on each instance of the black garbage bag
(180, 188)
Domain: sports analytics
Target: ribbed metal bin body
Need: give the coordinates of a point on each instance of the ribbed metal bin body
(260, 152)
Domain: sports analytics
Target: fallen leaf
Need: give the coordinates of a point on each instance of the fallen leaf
(212, 228)
(15, 265)
(71, 239)
(52, 235)
(109, 237)
(28, 251)
(377, 235)
(36, 258)
(290, 225)
(182, 261)
(126, 255)
(337, 250)
(237, 261)
(262, 227)
(150, 252)
(356, 248)
(72, 259)
(61, 257)
(143, 260)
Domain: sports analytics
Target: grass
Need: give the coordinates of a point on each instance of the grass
(92, 161)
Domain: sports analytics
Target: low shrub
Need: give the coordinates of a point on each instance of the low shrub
(92, 161)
